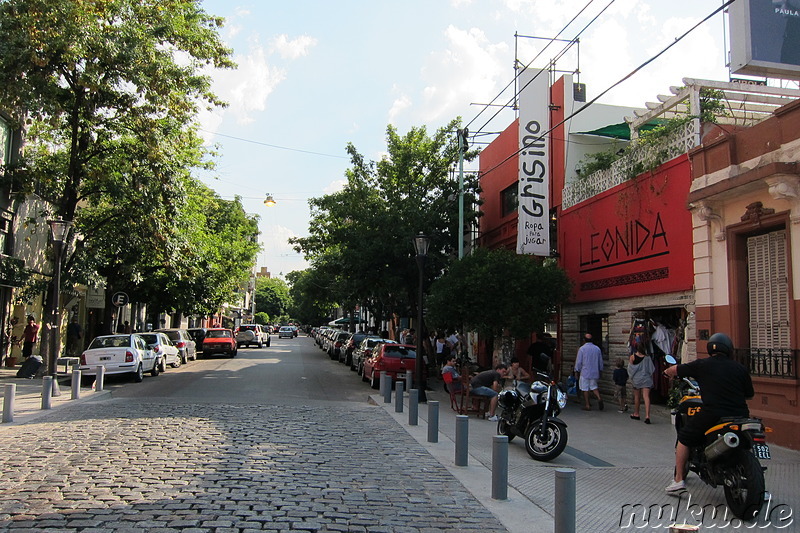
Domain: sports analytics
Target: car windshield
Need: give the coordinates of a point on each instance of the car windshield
(116, 341)
(173, 335)
(286, 329)
(218, 334)
(399, 352)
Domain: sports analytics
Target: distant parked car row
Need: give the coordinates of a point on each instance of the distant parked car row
(368, 355)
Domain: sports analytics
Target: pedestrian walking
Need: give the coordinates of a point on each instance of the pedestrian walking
(640, 370)
(589, 366)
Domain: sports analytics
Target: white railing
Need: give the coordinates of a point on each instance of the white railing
(637, 160)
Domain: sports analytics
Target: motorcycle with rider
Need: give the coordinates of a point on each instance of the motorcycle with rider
(716, 437)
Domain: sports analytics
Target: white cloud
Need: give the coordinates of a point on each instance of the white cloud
(400, 104)
(469, 70)
(335, 186)
(294, 48)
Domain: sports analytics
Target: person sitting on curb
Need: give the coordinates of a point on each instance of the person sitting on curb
(488, 383)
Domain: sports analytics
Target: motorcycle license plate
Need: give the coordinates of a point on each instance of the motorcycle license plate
(761, 451)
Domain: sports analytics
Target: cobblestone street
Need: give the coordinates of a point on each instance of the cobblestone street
(117, 466)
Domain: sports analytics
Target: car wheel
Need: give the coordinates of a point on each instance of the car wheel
(138, 376)
(375, 382)
(184, 359)
(269, 341)
(177, 363)
(156, 369)
(260, 344)
(163, 365)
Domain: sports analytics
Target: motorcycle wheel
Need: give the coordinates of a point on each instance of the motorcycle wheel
(744, 485)
(504, 429)
(548, 448)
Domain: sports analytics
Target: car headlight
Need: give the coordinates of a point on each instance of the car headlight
(562, 399)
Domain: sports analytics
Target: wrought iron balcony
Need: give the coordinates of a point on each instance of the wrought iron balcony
(769, 362)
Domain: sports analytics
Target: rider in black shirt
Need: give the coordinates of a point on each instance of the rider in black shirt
(725, 385)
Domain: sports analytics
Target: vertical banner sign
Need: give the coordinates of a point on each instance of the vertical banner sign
(533, 226)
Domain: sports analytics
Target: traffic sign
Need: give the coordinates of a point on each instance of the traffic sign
(119, 299)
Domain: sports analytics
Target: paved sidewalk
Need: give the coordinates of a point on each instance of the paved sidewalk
(622, 467)
(28, 397)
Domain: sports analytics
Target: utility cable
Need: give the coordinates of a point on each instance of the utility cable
(274, 145)
(620, 81)
(486, 106)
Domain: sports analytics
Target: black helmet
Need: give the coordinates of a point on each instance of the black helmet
(720, 343)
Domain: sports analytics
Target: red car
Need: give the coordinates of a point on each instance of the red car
(395, 359)
(219, 340)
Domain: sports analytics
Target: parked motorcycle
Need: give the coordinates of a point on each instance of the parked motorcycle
(730, 455)
(531, 411)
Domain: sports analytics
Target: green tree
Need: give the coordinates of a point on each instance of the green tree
(272, 297)
(310, 295)
(109, 91)
(492, 290)
(360, 237)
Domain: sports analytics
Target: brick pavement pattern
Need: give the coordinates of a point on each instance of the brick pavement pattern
(123, 466)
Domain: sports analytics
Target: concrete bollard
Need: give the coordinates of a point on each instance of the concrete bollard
(564, 517)
(76, 384)
(462, 440)
(100, 378)
(413, 407)
(409, 380)
(433, 421)
(382, 384)
(9, 394)
(56, 390)
(398, 397)
(386, 380)
(500, 467)
(47, 391)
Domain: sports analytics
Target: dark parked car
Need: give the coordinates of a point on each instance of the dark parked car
(183, 342)
(197, 334)
(350, 345)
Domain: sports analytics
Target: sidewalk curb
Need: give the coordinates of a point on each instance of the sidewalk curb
(517, 513)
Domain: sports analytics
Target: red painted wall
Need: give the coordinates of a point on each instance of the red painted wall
(632, 240)
(497, 231)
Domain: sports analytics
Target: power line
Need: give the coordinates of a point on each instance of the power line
(274, 145)
(620, 81)
(561, 53)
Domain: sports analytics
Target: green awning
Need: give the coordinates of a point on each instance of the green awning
(619, 131)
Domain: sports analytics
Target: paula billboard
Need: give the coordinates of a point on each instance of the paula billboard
(765, 38)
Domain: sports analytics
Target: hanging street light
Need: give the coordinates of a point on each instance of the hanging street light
(269, 201)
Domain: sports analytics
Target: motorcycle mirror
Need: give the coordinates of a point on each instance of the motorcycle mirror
(671, 360)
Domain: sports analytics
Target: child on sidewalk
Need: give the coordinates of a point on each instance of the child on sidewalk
(620, 377)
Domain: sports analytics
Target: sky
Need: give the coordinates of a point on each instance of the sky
(315, 75)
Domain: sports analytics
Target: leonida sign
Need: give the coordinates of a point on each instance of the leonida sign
(533, 226)
(765, 38)
(632, 240)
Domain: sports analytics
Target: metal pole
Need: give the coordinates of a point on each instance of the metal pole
(500, 467)
(76, 384)
(9, 394)
(387, 387)
(433, 421)
(54, 313)
(564, 518)
(423, 398)
(47, 391)
(398, 397)
(413, 407)
(100, 378)
(462, 440)
(461, 139)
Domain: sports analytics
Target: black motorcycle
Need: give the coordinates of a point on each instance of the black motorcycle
(730, 455)
(531, 411)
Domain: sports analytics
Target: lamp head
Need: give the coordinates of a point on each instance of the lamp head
(59, 228)
(421, 244)
(269, 201)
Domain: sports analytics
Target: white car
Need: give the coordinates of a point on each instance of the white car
(286, 331)
(160, 344)
(248, 334)
(120, 354)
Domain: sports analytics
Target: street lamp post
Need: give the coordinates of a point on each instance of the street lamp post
(421, 244)
(58, 230)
